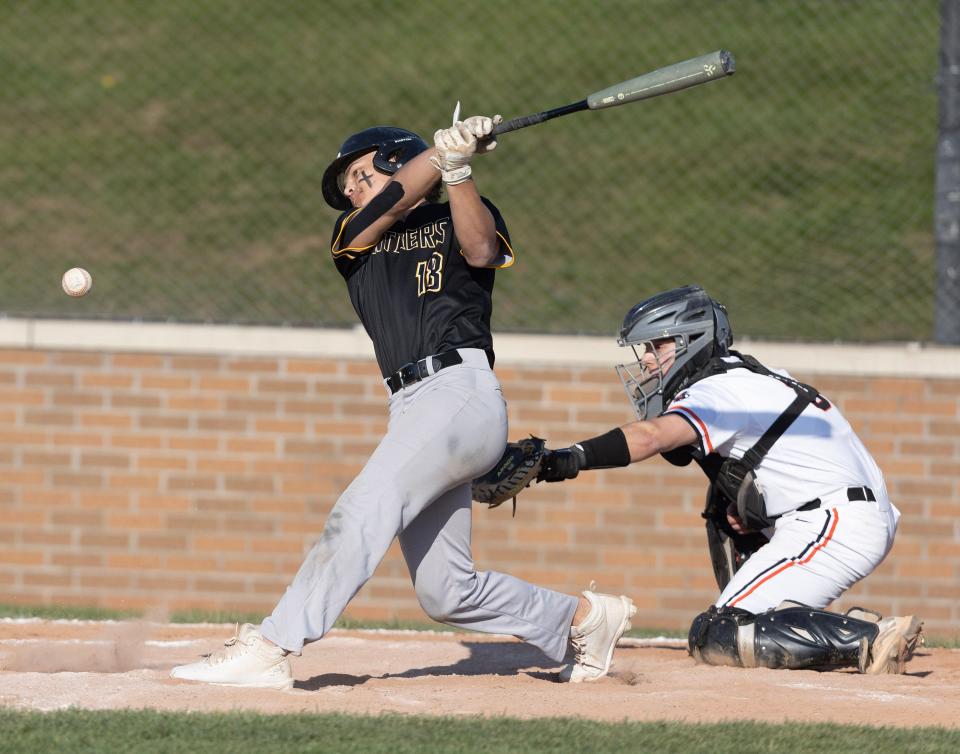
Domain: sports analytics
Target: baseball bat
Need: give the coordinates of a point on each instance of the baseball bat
(673, 78)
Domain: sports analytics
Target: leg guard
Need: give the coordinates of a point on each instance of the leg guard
(791, 637)
(715, 635)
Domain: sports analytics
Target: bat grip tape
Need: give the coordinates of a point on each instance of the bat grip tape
(521, 122)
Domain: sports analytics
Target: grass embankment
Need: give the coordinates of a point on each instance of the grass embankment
(175, 149)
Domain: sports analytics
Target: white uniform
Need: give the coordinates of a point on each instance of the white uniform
(814, 555)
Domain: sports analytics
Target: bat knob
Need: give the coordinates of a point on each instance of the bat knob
(727, 62)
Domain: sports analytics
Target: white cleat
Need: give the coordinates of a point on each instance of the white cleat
(894, 645)
(245, 660)
(595, 639)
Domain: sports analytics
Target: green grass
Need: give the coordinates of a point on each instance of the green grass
(200, 616)
(69, 612)
(175, 149)
(83, 731)
(79, 612)
(65, 612)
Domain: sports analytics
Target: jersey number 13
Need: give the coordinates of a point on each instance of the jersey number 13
(430, 274)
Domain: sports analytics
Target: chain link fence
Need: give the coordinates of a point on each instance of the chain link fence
(175, 150)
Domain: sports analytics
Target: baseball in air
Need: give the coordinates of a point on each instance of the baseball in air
(76, 281)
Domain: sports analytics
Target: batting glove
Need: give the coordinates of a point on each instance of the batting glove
(482, 128)
(455, 147)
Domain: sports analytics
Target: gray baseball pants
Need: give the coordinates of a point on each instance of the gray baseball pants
(443, 432)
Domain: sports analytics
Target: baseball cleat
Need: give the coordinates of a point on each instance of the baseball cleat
(594, 640)
(894, 645)
(245, 660)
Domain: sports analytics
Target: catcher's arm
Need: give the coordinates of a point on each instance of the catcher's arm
(604, 452)
(632, 442)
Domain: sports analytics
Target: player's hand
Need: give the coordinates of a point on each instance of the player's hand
(455, 147)
(457, 143)
(562, 464)
(736, 523)
(482, 128)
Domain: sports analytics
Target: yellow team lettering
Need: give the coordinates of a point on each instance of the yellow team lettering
(430, 274)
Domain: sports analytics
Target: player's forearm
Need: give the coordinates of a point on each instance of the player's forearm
(643, 440)
(622, 446)
(418, 177)
(473, 224)
(406, 189)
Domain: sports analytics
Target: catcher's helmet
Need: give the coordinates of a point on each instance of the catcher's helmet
(700, 329)
(393, 147)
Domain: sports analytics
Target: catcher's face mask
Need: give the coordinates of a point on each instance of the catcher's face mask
(644, 379)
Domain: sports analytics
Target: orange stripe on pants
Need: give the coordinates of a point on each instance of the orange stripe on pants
(836, 520)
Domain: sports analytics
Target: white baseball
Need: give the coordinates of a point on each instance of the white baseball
(76, 281)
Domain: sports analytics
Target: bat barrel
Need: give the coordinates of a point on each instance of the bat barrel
(683, 75)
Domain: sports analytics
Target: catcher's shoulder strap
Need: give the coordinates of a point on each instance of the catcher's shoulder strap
(723, 364)
(806, 394)
(734, 480)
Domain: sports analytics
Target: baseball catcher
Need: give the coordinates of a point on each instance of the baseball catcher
(797, 510)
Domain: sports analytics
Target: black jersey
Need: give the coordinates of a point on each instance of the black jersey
(414, 292)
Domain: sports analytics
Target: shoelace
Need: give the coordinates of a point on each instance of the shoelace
(231, 648)
(579, 649)
(579, 642)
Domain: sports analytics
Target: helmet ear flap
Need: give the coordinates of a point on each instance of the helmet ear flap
(393, 146)
(390, 158)
(722, 330)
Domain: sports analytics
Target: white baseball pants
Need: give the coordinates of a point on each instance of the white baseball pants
(815, 556)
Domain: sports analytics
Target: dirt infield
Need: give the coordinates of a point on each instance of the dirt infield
(49, 665)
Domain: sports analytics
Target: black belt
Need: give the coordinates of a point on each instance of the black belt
(417, 370)
(853, 494)
(861, 493)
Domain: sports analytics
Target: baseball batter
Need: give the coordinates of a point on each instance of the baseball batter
(420, 275)
(781, 460)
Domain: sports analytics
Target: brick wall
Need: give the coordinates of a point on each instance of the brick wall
(164, 481)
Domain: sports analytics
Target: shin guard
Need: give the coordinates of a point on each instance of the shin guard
(791, 637)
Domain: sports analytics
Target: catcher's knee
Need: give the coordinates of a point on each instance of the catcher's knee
(715, 636)
(791, 636)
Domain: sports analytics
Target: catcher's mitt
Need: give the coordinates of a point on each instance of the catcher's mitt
(517, 467)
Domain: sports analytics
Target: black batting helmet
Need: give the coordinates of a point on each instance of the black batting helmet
(393, 147)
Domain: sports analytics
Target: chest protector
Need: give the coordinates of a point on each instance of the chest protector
(736, 479)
